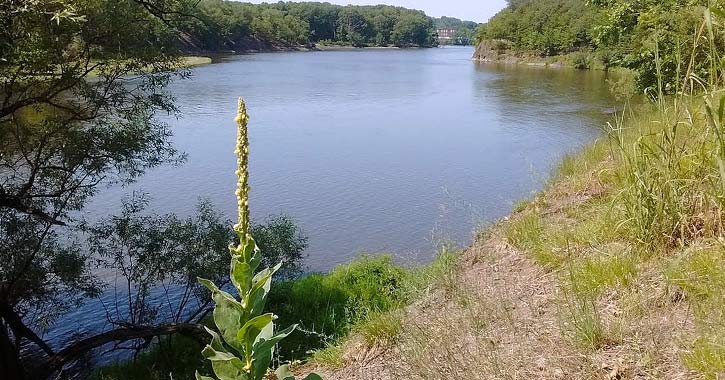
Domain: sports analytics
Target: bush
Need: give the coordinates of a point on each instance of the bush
(327, 306)
(580, 61)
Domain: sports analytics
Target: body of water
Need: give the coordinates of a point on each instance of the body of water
(393, 151)
(377, 151)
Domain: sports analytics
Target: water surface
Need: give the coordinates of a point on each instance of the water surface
(393, 151)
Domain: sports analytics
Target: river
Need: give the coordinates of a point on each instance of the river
(375, 151)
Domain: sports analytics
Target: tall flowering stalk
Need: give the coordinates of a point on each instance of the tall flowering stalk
(244, 346)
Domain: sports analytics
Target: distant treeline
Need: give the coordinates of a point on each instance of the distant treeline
(231, 25)
(627, 33)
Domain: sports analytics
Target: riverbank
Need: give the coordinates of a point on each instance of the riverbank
(499, 51)
(194, 61)
(614, 271)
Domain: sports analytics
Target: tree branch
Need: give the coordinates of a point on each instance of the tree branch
(124, 334)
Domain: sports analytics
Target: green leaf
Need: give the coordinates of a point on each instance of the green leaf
(228, 314)
(284, 373)
(241, 275)
(216, 340)
(264, 349)
(249, 332)
(221, 356)
(227, 372)
(313, 376)
(226, 365)
(269, 343)
(262, 283)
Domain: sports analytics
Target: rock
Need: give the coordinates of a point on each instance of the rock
(491, 50)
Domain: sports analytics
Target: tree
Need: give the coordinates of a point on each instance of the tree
(413, 29)
(80, 82)
(281, 241)
(653, 38)
(353, 27)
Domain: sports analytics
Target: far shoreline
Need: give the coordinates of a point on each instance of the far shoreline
(196, 59)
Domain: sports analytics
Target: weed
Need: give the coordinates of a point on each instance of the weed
(329, 357)
(707, 356)
(592, 275)
(381, 329)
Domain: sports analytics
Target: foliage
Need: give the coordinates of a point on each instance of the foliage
(151, 254)
(81, 84)
(244, 346)
(630, 33)
(174, 355)
(238, 26)
(327, 306)
(281, 241)
(62, 135)
(546, 27)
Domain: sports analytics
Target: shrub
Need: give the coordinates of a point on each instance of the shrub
(580, 61)
(327, 306)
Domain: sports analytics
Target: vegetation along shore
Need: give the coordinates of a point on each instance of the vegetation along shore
(613, 271)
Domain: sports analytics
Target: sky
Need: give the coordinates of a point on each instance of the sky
(471, 10)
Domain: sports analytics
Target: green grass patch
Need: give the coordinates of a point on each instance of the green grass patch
(527, 233)
(381, 329)
(707, 357)
(327, 306)
(699, 273)
(329, 357)
(592, 275)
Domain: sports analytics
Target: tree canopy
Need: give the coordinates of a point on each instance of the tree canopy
(233, 25)
(628, 33)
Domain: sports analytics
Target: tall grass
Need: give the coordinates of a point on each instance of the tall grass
(671, 181)
(672, 173)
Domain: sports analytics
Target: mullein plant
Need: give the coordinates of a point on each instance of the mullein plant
(244, 346)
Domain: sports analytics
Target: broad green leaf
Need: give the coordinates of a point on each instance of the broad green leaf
(313, 376)
(266, 333)
(249, 332)
(264, 350)
(226, 365)
(256, 258)
(241, 275)
(266, 344)
(228, 314)
(262, 283)
(227, 372)
(216, 340)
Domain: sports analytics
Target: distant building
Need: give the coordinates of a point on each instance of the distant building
(445, 34)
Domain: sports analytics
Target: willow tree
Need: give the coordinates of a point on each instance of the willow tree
(80, 84)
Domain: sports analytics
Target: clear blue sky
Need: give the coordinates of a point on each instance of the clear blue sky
(479, 11)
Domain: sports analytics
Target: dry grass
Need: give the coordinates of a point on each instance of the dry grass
(602, 312)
